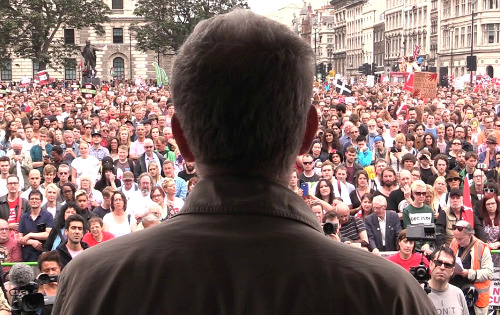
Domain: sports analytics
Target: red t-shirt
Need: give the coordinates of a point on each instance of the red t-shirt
(89, 239)
(414, 261)
(12, 210)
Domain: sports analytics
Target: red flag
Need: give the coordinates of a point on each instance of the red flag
(468, 213)
(402, 107)
(409, 83)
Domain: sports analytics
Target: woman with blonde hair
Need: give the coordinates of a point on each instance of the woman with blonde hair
(124, 136)
(173, 203)
(154, 171)
(52, 205)
(431, 201)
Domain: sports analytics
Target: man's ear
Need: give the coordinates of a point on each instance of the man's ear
(178, 133)
(311, 128)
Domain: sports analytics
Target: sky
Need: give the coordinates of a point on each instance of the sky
(265, 6)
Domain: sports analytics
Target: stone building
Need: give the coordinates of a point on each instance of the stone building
(117, 47)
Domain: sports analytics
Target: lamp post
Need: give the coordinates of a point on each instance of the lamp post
(473, 2)
(452, 30)
(315, 27)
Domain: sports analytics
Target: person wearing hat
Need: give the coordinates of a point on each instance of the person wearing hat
(488, 156)
(424, 161)
(453, 180)
(97, 150)
(129, 187)
(453, 213)
(379, 149)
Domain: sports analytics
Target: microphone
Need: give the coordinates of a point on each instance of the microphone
(21, 275)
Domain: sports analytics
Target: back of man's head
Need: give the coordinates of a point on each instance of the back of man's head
(241, 85)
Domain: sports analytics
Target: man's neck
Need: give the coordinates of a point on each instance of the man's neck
(141, 139)
(417, 204)
(4, 176)
(12, 196)
(98, 239)
(306, 173)
(96, 146)
(349, 164)
(456, 211)
(74, 247)
(438, 286)
(36, 211)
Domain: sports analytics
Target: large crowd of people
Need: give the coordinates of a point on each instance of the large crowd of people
(77, 172)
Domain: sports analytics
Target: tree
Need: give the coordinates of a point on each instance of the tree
(28, 28)
(167, 23)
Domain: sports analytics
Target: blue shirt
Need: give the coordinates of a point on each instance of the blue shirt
(27, 225)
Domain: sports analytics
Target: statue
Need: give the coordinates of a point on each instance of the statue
(89, 54)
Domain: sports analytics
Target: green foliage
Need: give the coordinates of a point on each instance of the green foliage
(167, 23)
(28, 28)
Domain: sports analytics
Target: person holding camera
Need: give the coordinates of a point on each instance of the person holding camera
(407, 257)
(447, 298)
(476, 262)
(331, 225)
(20, 162)
(50, 267)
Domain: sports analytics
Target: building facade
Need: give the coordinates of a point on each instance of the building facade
(455, 31)
(117, 54)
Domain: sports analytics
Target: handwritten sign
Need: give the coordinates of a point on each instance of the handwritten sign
(425, 84)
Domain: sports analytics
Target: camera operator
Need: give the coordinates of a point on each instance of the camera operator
(447, 298)
(50, 267)
(330, 217)
(475, 257)
(49, 264)
(407, 257)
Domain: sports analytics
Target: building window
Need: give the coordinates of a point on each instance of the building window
(69, 36)
(70, 69)
(36, 67)
(117, 35)
(119, 68)
(6, 70)
(117, 4)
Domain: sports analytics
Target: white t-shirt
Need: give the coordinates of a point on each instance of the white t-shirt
(89, 166)
(115, 228)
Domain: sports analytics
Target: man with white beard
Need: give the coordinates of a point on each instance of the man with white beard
(140, 202)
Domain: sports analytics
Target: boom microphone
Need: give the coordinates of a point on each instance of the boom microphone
(21, 275)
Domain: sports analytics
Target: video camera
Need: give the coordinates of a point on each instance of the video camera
(25, 296)
(330, 228)
(423, 232)
(26, 299)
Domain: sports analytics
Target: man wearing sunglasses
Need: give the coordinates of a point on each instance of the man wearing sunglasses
(477, 265)
(451, 215)
(447, 298)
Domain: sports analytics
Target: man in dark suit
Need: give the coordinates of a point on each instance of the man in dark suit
(149, 155)
(383, 226)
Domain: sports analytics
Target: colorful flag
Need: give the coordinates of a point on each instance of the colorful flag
(342, 88)
(416, 52)
(164, 78)
(157, 73)
(468, 213)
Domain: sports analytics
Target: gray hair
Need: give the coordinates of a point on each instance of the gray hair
(380, 199)
(150, 219)
(241, 85)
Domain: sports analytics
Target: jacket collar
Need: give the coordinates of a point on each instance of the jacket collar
(248, 195)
